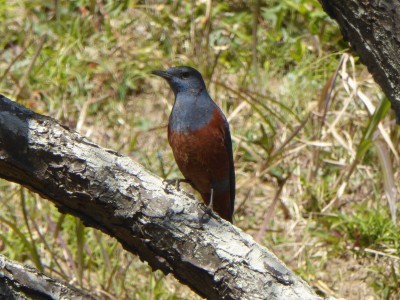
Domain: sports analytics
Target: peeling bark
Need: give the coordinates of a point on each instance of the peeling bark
(22, 282)
(165, 227)
(373, 29)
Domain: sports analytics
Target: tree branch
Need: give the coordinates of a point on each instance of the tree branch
(373, 30)
(165, 227)
(22, 282)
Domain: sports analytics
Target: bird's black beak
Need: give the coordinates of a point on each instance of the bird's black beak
(162, 74)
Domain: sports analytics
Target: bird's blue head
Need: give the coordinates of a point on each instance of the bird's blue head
(183, 79)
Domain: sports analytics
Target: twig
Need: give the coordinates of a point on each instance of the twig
(270, 210)
(24, 78)
(15, 59)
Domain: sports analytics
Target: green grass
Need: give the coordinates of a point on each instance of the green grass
(87, 64)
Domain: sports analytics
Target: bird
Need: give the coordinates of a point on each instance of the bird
(199, 135)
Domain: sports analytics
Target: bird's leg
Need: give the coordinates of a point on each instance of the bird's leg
(176, 182)
(210, 204)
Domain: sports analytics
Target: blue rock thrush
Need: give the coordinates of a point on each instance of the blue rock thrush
(199, 135)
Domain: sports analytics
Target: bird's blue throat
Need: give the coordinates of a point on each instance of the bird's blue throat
(191, 113)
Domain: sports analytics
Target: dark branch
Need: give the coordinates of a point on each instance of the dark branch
(373, 30)
(109, 191)
(22, 282)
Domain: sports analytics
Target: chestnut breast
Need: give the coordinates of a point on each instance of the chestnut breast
(201, 151)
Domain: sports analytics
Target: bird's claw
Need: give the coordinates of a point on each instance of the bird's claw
(207, 212)
(206, 216)
(175, 182)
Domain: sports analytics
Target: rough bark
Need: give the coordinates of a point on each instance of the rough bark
(373, 29)
(22, 282)
(165, 227)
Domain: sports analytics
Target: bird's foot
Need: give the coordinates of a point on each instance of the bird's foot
(176, 182)
(209, 209)
(206, 216)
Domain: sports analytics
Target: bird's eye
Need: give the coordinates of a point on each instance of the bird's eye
(185, 75)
